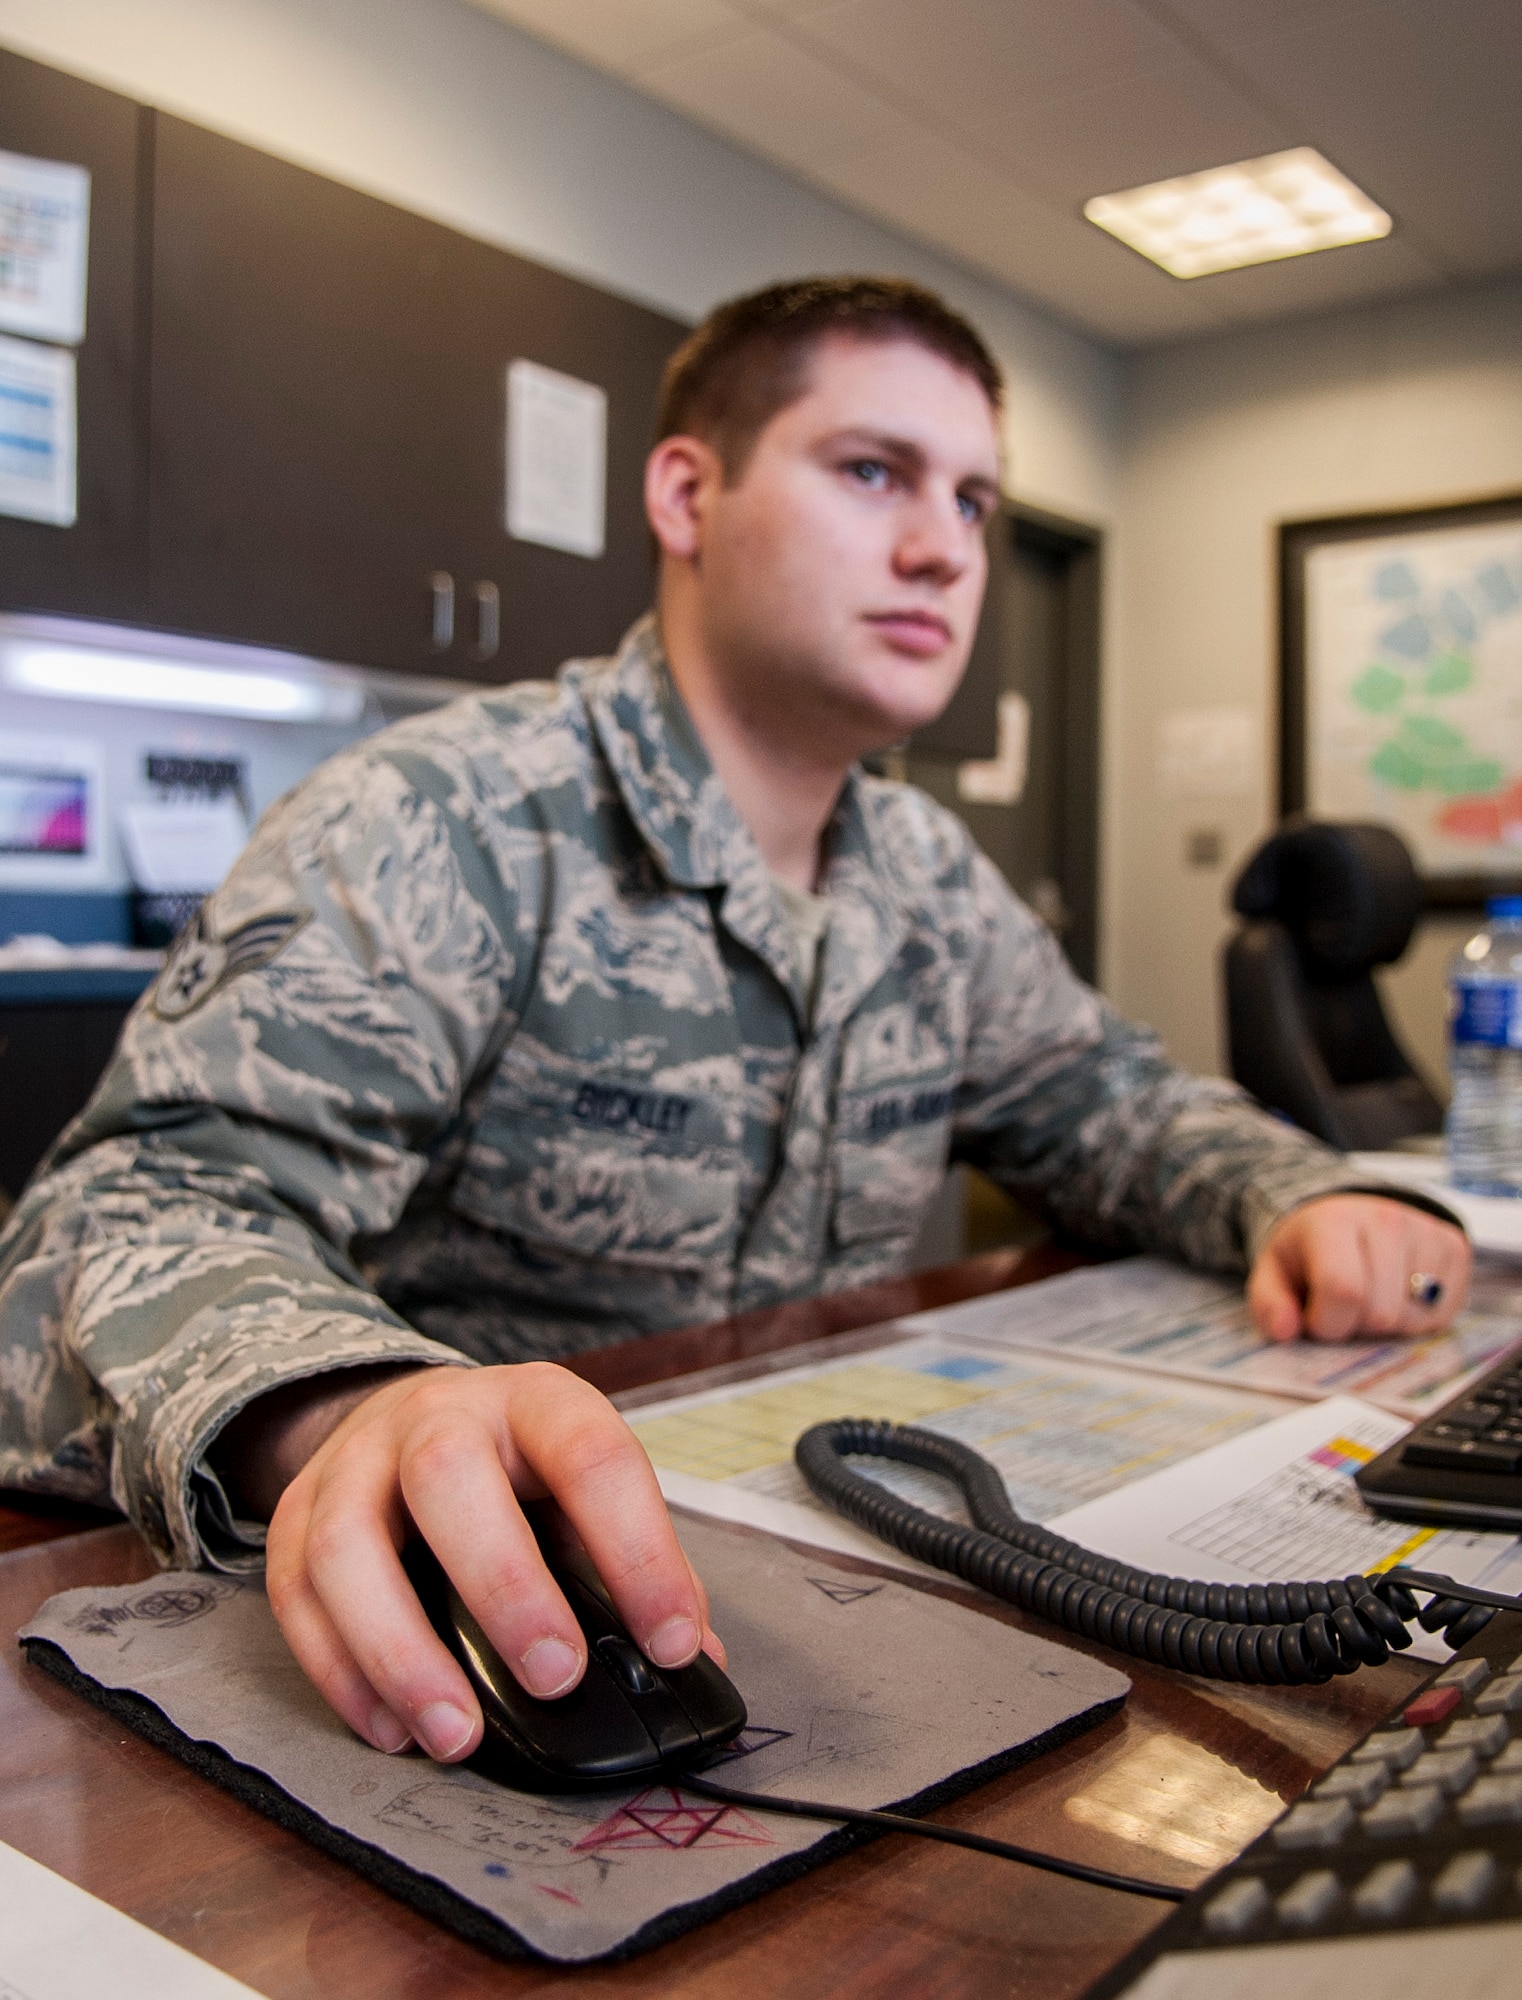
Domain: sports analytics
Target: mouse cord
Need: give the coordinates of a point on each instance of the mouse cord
(889, 1822)
(1274, 1634)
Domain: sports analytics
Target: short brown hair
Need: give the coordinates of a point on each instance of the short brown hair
(749, 358)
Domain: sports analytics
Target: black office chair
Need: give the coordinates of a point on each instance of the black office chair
(1307, 1035)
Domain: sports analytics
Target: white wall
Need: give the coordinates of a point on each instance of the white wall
(1395, 406)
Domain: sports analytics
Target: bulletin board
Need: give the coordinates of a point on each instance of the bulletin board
(1401, 684)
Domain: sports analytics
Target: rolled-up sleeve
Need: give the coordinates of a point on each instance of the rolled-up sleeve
(1078, 1113)
(285, 1090)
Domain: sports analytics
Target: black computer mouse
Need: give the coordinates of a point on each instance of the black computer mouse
(626, 1722)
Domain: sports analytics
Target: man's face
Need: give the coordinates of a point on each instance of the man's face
(840, 577)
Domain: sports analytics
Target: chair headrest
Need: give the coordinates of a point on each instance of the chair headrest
(1347, 894)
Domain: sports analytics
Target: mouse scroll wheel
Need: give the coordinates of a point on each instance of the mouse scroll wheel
(626, 1663)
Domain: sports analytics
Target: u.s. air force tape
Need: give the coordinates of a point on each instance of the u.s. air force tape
(200, 962)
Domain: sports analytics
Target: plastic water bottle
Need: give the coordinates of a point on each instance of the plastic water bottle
(1484, 1124)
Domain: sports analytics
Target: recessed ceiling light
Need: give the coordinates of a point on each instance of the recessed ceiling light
(1251, 213)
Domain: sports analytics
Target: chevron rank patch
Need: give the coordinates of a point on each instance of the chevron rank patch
(200, 962)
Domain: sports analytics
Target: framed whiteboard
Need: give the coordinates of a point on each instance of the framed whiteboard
(1401, 684)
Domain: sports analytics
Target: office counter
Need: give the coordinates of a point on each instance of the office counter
(1184, 1777)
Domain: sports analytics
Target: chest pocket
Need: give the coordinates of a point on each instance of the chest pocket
(590, 1159)
(890, 1158)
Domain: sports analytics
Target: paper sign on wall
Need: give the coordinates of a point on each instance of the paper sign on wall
(37, 432)
(557, 451)
(44, 247)
(1208, 753)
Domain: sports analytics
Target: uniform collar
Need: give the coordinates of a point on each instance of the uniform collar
(675, 798)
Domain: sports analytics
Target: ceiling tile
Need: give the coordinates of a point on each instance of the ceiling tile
(1175, 121)
(774, 97)
(1223, 23)
(1420, 106)
(940, 194)
(958, 56)
(616, 34)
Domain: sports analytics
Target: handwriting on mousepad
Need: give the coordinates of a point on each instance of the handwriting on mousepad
(861, 1691)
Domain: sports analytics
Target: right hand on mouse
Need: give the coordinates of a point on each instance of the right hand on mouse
(453, 1453)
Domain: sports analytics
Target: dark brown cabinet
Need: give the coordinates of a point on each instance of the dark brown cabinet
(98, 567)
(309, 450)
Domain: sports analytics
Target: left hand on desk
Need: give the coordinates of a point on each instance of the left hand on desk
(1343, 1265)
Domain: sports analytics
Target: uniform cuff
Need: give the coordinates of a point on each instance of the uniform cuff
(1273, 1196)
(160, 1475)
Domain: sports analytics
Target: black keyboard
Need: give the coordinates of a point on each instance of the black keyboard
(1417, 1831)
(1463, 1464)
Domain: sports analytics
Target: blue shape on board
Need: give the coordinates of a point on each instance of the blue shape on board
(1458, 614)
(1394, 581)
(962, 1368)
(1496, 585)
(1410, 637)
(495, 1868)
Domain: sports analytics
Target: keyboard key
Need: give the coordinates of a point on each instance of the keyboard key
(1485, 1735)
(1493, 1801)
(1240, 1907)
(1463, 1455)
(1502, 1697)
(1398, 1748)
(1362, 1783)
(1450, 1770)
(1468, 1675)
(1310, 1902)
(1466, 1884)
(1436, 1705)
(1510, 1758)
(1386, 1892)
(1315, 1823)
(1400, 1813)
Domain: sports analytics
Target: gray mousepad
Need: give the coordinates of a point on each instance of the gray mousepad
(862, 1690)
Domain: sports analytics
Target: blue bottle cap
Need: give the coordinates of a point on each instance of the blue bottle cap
(1505, 909)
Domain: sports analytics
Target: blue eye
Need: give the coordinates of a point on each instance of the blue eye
(971, 510)
(869, 472)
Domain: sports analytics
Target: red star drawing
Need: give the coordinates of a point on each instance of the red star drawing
(661, 1817)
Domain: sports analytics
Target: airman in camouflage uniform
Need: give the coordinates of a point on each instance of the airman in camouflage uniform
(496, 1044)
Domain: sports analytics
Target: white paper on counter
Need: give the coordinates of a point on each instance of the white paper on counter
(1279, 1504)
(182, 846)
(57, 1943)
(37, 433)
(44, 247)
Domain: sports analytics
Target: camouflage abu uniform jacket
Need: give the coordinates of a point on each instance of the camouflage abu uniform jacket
(494, 1044)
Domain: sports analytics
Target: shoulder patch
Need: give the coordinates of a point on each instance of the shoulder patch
(200, 962)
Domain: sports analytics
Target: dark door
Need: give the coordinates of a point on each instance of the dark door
(97, 567)
(329, 383)
(1039, 640)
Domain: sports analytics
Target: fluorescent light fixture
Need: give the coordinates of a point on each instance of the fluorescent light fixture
(1254, 212)
(141, 676)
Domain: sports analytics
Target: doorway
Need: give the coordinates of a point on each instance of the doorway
(1038, 641)
(1038, 649)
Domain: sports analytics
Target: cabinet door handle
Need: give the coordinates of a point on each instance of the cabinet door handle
(441, 584)
(488, 621)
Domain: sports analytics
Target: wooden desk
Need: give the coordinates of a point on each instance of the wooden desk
(1184, 1777)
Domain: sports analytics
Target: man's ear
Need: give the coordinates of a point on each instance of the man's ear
(680, 474)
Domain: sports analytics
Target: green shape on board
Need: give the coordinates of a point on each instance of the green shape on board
(1428, 753)
(1394, 765)
(1449, 674)
(1379, 689)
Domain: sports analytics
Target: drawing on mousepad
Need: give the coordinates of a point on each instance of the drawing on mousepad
(862, 1691)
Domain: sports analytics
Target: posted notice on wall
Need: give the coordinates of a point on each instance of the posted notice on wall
(557, 454)
(37, 431)
(44, 247)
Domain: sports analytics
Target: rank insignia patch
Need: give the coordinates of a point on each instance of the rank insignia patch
(199, 962)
